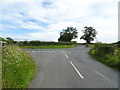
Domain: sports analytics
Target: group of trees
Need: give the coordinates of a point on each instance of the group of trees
(71, 33)
(68, 34)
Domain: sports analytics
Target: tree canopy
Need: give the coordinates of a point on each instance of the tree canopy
(9, 40)
(89, 34)
(68, 34)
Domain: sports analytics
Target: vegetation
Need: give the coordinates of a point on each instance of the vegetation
(68, 34)
(49, 46)
(18, 67)
(43, 43)
(0, 67)
(89, 34)
(2, 39)
(107, 54)
(10, 40)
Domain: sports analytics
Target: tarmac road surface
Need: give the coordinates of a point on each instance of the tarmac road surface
(70, 68)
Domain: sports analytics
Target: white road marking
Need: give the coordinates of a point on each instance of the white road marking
(33, 51)
(44, 51)
(66, 56)
(63, 51)
(39, 51)
(76, 70)
(103, 76)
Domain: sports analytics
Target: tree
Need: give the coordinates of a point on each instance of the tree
(68, 34)
(10, 40)
(89, 34)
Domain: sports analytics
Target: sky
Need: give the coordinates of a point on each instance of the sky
(44, 19)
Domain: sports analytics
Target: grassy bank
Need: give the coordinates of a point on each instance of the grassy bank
(0, 67)
(49, 46)
(107, 54)
(18, 67)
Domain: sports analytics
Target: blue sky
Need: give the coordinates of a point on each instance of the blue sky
(44, 19)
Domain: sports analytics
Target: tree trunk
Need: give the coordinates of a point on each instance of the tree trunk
(87, 42)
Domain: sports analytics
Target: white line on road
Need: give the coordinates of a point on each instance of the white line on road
(103, 76)
(76, 70)
(66, 56)
(39, 51)
(33, 51)
(44, 51)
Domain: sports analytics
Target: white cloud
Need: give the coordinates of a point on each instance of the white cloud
(49, 36)
(100, 14)
(31, 25)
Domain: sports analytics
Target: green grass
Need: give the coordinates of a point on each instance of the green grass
(49, 46)
(18, 68)
(108, 56)
(0, 67)
(91, 45)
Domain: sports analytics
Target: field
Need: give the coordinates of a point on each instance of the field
(107, 54)
(18, 68)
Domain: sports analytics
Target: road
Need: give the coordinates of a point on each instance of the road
(70, 68)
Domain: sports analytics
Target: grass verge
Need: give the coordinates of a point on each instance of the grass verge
(0, 67)
(106, 54)
(49, 46)
(18, 68)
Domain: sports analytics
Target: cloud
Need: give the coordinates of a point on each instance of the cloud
(49, 36)
(31, 25)
(51, 16)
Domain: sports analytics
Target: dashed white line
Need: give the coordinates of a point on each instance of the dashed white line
(103, 76)
(39, 51)
(74, 66)
(44, 51)
(76, 70)
(63, 51)
(33, 51)
(66, 56)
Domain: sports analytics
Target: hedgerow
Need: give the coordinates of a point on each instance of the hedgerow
(41, 43)
(107, 54)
